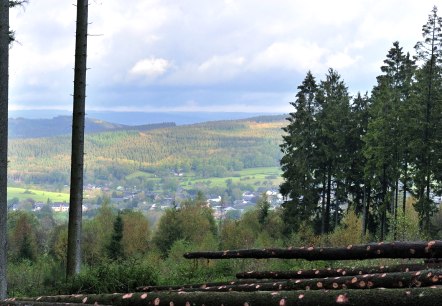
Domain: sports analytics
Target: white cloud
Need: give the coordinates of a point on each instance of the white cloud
(151, 67)
(295, 55)
(201, 46)
(341, 60)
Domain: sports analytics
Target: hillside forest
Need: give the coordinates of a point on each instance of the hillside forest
(366, 167)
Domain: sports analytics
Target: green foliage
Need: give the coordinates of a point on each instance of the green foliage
(113, 276)
(193, 222)
(263, 206)
(115, 248)
(406, 226)
(33, 278)
(23, 236)
(348, 232)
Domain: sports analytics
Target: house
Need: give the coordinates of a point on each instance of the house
(60, 207)
(37, 206)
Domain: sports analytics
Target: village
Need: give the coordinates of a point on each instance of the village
(122, 198)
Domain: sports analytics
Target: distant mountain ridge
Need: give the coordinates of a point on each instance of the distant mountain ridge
(61, 125)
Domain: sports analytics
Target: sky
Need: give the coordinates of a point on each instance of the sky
(203, 56)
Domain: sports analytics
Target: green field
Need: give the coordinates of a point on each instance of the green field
(251, 176)
(37, 195)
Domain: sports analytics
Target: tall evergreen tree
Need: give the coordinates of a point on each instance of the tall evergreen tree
(300, 187)
(428, 109)
(333, 124)
(384, 149)
(77, 155)
(359, 189)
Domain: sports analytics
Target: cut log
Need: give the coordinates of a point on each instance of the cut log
(329, 272)
(392, 297)
(423, 278)
(398, 249)
(196, 286)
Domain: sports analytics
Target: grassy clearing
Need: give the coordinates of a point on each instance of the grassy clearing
(37, 195)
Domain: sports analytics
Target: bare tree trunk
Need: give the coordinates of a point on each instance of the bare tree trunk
(77, 155)
(4, 81)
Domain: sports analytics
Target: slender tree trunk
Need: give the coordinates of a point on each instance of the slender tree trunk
(4, 81)
(404, 200)
(323, 206)
(364, 213)
(76, 191)
(328, 204)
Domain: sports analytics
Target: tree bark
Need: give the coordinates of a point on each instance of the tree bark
(431, 249)
(319, 273)
(4, 84)
(77, 155)
(430, 296)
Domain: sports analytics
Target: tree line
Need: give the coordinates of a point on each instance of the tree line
(369, 152)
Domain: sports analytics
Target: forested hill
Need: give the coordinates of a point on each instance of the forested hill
(61, 125)
(208, 149)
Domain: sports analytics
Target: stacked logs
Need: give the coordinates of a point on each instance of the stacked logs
(394, 285)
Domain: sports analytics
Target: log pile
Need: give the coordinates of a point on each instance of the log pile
(405, 284)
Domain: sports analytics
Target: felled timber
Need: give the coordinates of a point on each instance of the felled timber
(430, 296)
(398, 249)
(423, 278)
(196, 286)
(329, 272)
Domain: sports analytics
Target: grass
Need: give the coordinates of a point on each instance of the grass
(251, 176)
(37, 195)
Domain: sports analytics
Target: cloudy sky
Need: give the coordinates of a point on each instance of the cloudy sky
(201, 55)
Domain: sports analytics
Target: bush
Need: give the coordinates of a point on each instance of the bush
(33, 278)
(113, 276)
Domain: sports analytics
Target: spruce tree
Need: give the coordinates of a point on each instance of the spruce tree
(427, 149)
(115, 247)
(300, 187)
(332, 138)
(384, 147)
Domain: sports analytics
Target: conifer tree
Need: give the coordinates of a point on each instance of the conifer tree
(359, 188)
(332, 139)
(383, 142)
(115, 247)
(300, 187)
(428, 109)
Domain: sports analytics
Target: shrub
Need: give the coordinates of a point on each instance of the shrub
(113, 276)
